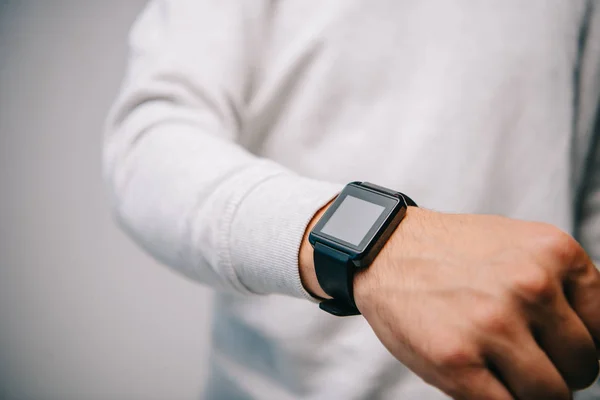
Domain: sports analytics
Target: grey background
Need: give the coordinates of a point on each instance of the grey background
(84, 314)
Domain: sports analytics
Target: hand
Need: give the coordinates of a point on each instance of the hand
(483, 307)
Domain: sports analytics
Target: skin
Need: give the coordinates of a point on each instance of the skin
(482, 307)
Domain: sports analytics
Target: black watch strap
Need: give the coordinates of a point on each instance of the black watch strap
(335, 275)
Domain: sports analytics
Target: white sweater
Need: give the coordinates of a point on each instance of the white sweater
(239, 119)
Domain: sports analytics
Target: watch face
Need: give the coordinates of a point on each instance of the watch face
(355, 219)
(352, 220)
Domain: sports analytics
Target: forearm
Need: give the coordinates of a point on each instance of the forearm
(195, 205)
(180, 184)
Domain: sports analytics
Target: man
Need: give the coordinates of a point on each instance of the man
(240, 121)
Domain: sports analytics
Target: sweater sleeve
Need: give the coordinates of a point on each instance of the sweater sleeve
(179, 183)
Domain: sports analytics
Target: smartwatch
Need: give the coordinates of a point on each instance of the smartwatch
(349, 236)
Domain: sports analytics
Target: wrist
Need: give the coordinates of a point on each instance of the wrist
(367, 281)
(348, 234)
(306, 260)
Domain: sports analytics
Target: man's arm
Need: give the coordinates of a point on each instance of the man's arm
(180, 184)
(482, 307)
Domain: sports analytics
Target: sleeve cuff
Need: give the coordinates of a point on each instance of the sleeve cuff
(266, 229)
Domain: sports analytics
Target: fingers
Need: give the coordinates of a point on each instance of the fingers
(480, 384)
(582, 289)
(569, 345)
(527, 371)
(581, 281)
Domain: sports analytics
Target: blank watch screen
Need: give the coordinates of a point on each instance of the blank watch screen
(352, 220)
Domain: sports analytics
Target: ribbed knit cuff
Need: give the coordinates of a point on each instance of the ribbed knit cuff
(267, 228)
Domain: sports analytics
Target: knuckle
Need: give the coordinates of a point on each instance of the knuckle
(535, 285)
(493, 319)
(455, 357)
(558, 244)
